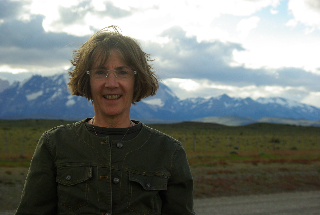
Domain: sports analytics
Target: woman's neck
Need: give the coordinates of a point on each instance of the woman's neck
(111, 122)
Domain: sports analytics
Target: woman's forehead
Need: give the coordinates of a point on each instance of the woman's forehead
(100, 58)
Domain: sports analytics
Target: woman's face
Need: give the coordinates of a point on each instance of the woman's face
(112, 96)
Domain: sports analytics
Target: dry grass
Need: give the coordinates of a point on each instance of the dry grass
(268, 173)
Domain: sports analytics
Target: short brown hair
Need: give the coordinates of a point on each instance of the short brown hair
(100, 45)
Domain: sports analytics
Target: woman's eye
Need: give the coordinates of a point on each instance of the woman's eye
(123, 72)
(100, 72)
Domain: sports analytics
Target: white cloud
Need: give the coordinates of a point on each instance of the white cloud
(306, 11)
(186, 84)
(98, 5)
(246, 25)
(292, 23)
(273, 11)
(273, 49)
(6, 68)
(149, 17)
(312, 99)
(309, 30)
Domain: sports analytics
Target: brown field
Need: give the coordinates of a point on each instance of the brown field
(290, 171)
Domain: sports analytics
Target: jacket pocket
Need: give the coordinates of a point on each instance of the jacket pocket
(73, 186)
(144, 193)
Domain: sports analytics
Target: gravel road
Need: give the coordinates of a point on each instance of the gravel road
(293, 203)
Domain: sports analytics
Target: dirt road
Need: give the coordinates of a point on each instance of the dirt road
(295, 203)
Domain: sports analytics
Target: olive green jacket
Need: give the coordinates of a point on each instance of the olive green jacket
(76, 172)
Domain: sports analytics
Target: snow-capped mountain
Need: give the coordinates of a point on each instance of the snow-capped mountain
(48, 97)
(42, 97)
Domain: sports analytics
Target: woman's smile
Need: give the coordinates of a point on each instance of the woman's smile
(112, 97)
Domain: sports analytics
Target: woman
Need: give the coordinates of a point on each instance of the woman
(109, 164)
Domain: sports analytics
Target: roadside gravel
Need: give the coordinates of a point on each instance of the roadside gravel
(291, 203)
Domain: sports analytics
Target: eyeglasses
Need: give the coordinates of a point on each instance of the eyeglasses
(122, 73)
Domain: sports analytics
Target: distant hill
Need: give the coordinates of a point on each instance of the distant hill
(238, 121)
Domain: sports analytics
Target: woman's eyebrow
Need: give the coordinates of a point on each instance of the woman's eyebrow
(99, 67)
(122, 67)
(117, 68)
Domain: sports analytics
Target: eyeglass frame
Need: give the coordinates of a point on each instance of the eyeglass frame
(114, 73)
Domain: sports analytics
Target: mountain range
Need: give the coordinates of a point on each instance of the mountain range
(48, 97)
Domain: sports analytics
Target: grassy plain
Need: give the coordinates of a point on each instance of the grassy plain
(224, 160)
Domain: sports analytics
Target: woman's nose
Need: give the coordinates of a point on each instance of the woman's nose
(111, 80)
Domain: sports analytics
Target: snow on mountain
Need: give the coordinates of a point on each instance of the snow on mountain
(48, 97)
(156, 102)
(33, 96)
(280, 101)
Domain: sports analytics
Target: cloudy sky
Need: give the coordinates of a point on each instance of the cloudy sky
(202, 48)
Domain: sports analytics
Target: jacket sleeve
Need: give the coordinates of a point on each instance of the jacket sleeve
(178, 198)
(39, 195)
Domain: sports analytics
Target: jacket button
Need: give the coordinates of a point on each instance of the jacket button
(119, 145)
(148, 185)
(68, 178)
(116, 180)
